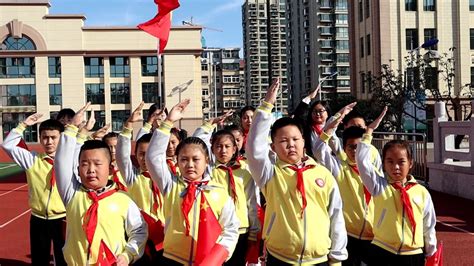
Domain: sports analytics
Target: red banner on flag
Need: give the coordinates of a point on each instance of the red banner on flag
(156, 230)
(105, 256)
(209, 231)
(437, 258)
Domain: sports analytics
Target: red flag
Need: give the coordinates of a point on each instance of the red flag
(105, 256)
(156, 230)
(253, 251)
(209, 231)
(160, 25)
(437, 258)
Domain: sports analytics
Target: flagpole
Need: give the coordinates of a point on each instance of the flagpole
(160, 94)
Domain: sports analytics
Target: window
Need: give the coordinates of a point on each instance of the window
(150, 92)
(361, 43)
(55, 94)
(231, 66)
(94, 67)
(342, 45)
(231, 79)
(204, 67)
(429, 5)
(410, 5)
(99, 119)
(341, 19)
(149, 65)
(11, 120)
(430, 34)
(472, 77)
(361, 15)
(12, 43)
(411, 39)
(362, 82)
(120, 93)
(367, 8)
(343, 83)
(431, 78)
(54, 67)
(342, 58)
(471, 38)
(95, 93)
(369, 81)
(471, 5)
(368, 44)
(21, 67)
(119, 67)
(118, 119)
(204, 80)
(342, 32)
(343, 71)
(18, 95)
(341, 5)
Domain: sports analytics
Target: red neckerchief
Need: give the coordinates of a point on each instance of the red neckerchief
(318, 128)
(405, 198)
(157, 203)
(117, 180)
(52, 181)
(172, 166)
(89, 224)
(240, 157)
(367, 194)
(229, 170)
(300, 182)
(188, 201)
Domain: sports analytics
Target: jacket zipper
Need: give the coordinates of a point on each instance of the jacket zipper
(403, 230)
(304, 238)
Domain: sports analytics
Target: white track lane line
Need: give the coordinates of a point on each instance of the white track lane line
(455, 227)
(15, 189)
(8, 166)
(12, 220)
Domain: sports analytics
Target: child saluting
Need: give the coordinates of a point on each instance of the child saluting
(404, 216)
(103, 222)
(201, 223)
(304, 223)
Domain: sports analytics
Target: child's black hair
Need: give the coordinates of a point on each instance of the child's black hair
(182, 134)
(51, 124)
(398, 144)
(283, 122)
(352, 115)
(176, 132)
(232, 127)
(96, 144)
(65, 112)
(110, 135)
(245, 109)
(353, 132)
(193, 141)
(153, 108)
(143, 139)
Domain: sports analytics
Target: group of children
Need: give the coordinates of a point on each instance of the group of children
(211, 198)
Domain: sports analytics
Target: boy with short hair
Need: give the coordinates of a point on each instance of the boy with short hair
(47, 210)
(304, 223)
(104, 224)
(111, 139)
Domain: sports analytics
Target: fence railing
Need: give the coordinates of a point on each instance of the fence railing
(445, 131)
(418, 144)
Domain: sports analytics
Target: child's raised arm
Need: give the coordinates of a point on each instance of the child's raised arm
(124, 147)
(372, 179)
(66, 179)
(156, 154)
(20, 156)
(257, 147)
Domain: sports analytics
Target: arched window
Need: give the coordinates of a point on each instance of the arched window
(23, 43)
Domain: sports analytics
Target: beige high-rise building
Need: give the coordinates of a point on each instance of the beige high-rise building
(387, 32)
(318, 47)
(52, 61)
(221, 90)
(264, 30)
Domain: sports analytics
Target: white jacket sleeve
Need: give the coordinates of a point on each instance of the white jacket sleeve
(124, 163)
(20, 156)
(66, 179)
(322, 153)
(257, 147)
(204, 132)
(338, 231)
(374, 181)
(254, 223)
(230, 227)
(137, 233)
(144, 130)
(429, 223)
(156, 158)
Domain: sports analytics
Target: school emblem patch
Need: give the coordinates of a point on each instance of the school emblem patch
(320, 182)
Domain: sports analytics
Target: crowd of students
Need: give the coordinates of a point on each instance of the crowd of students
(284, 192)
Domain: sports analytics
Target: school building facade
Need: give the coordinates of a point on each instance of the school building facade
(52, 61)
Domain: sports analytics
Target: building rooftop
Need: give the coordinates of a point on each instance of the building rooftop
(25, 2)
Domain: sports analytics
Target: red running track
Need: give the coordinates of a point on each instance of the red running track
(455, 225)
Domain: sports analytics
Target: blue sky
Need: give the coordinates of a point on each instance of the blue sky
(225, 15)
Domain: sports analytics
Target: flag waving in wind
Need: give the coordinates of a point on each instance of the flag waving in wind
(160, 25)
